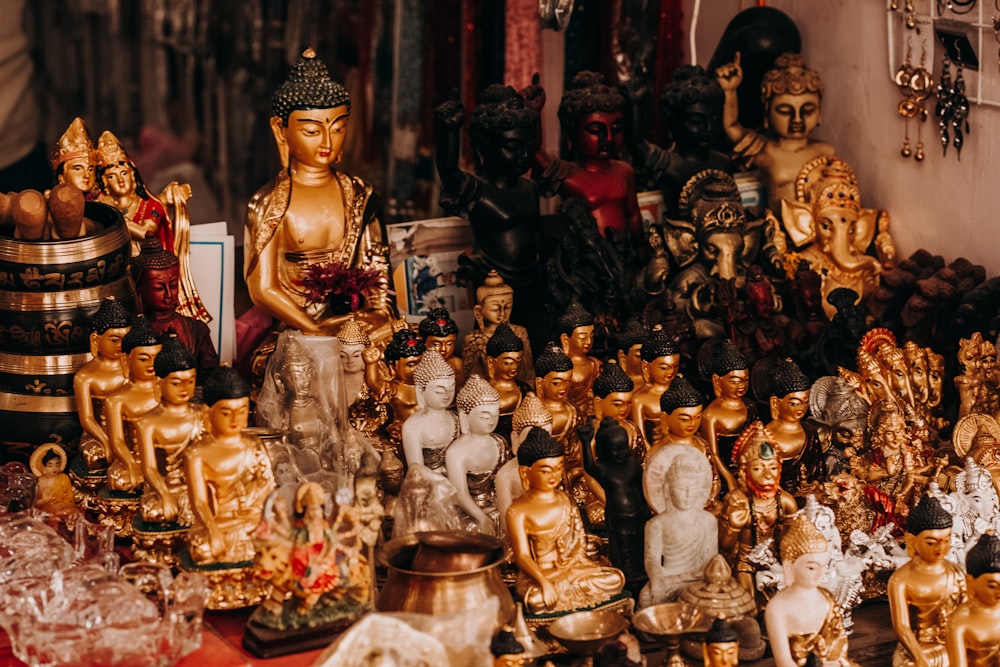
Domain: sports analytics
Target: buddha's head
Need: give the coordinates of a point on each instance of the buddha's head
(613, 392)
(729, 371)
(434, 379)
(502, 128)
(227, 395)
(661, 357)
(576, 330)
(721, 645)
(178, 371)
(805, 553)
(506, 650)
(691, 106)
(353, 342)
(592, 116)
(74, 160)
(540, 461)
(529, 414)
(478, 405)
(309, 115)
(440, 331)
(681, 406)
(928, 530)
(792, 94)
(629, 342)
(504, 351)
(789, 392)
(494, 301)
(156, 274)
(141, 346)
(982, 563)
(108, 327)
(403, 353)
(553, 371)
(688, 481)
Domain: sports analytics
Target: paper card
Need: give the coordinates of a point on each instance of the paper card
(213, 268)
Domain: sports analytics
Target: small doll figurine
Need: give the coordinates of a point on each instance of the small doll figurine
(973, 633)
(54, 492)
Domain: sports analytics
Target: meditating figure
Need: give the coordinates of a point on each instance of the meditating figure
(973, 632)
(682, 536)
(312, 215)
(661, 357)
(728, 414)
(546, 535)
(613, 391)
(791, 94)
(494, 304)
(164, 434)
(925, 592)
(391, 383)
(94, 381)
(802, 618)
(576, 336)
(473, 459)
(619, 475)
(54, 491)
(440, 332)
(504, 356)
(229, 475)
(129, 402)
(553, 373)
(429, 431)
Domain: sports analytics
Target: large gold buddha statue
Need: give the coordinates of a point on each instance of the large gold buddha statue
(331, 219)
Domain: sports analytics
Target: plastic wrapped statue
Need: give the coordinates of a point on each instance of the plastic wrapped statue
(427, 501)
(314, 560)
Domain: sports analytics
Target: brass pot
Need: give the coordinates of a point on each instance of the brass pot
(462, 588)
(49, 290)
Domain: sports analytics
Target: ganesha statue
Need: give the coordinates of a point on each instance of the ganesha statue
(828, 227)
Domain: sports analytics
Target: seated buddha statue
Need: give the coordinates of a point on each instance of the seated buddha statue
(164, 434)
(440, 332)
(545, 529)
(661, 357)
(156, 273)
(129, 402)
(756, 508)
(801, 452)
(973, 632)
(553, 371)
(98, 378)
(229, 475)
(803, 618)
(429, 431)
(529, 414)
(504, 357)
(691, 109)
(791, 94)
(391, 383)
(576, 336)
(628, 342)
(925, 592)
(311, 214)
(494, 304)
(728, 414)
(613, 391)
(475, 457)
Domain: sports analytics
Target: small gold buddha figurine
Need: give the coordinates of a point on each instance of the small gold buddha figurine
(506, 650)
(721, 647)
(553, 372)
(529, 414)
(925, 592)
(973, 632)
(229, 475)
(724, 419)
(494, 301)
(98, 378)
(803, 618)
(391, 383)
(661, 357)
(74, 159)
(474, 458)
(353, 342)
(504, 357)
(54, 492)
(129, 402)
(331, 219)
(613, 391)
(629, 343)
(429, 431)
(787, 388)
(438, 329)
(576, 336)
(791, 94)
(546, 535)
(758, 505)
(163, 435)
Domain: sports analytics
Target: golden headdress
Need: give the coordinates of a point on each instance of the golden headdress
(800, 538)
(73, 144)
(755, 442)
(110, 150)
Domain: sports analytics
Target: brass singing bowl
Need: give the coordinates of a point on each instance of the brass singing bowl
(463, 581)
(670, 620)
(583, 632)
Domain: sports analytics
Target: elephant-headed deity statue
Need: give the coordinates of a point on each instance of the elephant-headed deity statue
(828, 227)
(712, 243)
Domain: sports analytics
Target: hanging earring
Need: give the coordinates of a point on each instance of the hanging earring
(907, 109)
(996, 31)
(943, 109)
(960, 110)
(911, 15)
(921, 84)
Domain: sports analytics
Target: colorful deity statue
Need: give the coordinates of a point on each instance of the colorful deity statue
(74, 159)
(332, 219)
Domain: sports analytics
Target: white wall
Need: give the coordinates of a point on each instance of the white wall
(943, 205)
